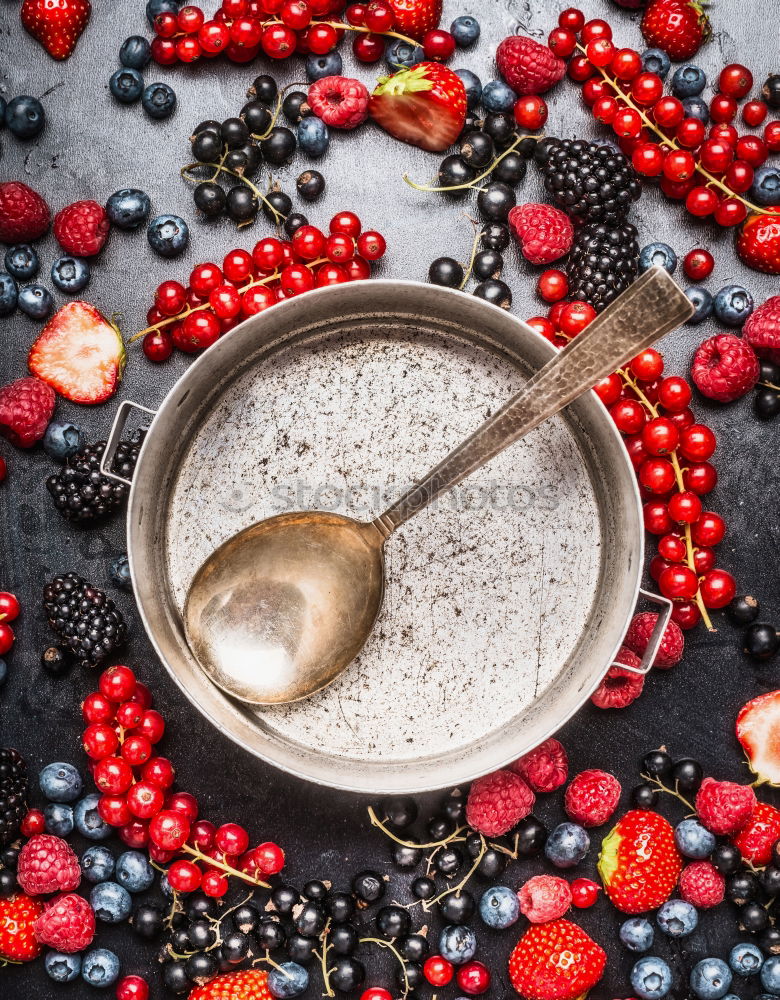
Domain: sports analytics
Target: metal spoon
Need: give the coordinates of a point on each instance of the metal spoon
(281, 608)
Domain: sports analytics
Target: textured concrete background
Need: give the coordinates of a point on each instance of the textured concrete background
(91, 147)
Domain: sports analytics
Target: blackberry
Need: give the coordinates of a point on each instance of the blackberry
(88, 623)
(603, 262)
(591, 183)
(13, 794)
(81, 493)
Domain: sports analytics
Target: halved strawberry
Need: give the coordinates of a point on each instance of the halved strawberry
(79, 353)
(639, 862)
(758, 730)
(424, 106)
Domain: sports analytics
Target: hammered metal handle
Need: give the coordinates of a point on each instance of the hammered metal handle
(653, 306)
(656, 636)
(115, 436)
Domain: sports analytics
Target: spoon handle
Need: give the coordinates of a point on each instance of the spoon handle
(653, 306)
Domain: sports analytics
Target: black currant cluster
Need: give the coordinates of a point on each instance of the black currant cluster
(761, 640)
(749, 889)
(235, 149)
(486, 267)
(766, 402)
(9, 885)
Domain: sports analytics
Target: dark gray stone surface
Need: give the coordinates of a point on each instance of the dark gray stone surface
(92, 146)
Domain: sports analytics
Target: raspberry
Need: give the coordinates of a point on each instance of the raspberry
(339, 101)
(528, 66)
(756, 838)
(762, 330)
(725, 368)
(620, 687)
(702, 885)
(544, 898)
(67, 924)
(641, 628)
(498, 802)
(26, 406)
(592, 797)
(723, 806)
(24, 215)
(47, 864)
(545, 768)
(544, 232)
(82, 228)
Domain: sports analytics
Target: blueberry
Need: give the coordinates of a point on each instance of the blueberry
(3, 671)
(126, 85)
(135, 52)
(765, 189)
(656, 61)
(710, 979)
(693, 840)
(88, 821)
(25, 116)
(97, 864)
(651, 978)
(155, 7)
(567, 845)
(657, 255)
(159, 100)
(134, 872)
(733, 304)
(637, 934)
(100, 967)
(401, 55)
(111, 902)
(9, 294)
(702, 303)
(168, 235)
(770, 974)
(128, 208)
(62, 968)
(499, 907)
(458, 944)
(21, 261)
(70, 274)
(313, 136)
(60, 782)
(746, 959)
(465, 30)
(677, 919)
(288, 980)
(688, 81)
(35, 301)
(59, 819)
(497, 97)
(695, 107)
(473, 86)
(119, 572)
(318, 67)
(61, 440)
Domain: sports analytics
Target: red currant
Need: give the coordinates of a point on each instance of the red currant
(199, 330)
(213, 38)
(672, 548)
(716, 155)
(371, 245)
(684, 507)
(113, 809)
(296, 279)
(571, 18)
(330, 274)
(553, 285)
(725, 133)
(356, 14)
(772, 136)
(739, 176)
(584, 892)
(99, 741)
(660, 436)
(339, 248)
(709, 529)
(238, 265)
(703, 560)
(752, 150)
(575, 316)
(308, 243)
(669, 112)
(473, 978)
(674, 393)
(34, 822)
(163, 51)
(159, 771)
(678, 582)
(347, 223)
(647, 366)
(369, 48)
(189, 19)
(278, 41)
(183, 803)
(562, 41)
(627, 123)
(225, 300)
(135, 834)
(357, 269)
(636, 450)
(142, 695)
(6, 638)
(145, 800)
(113, 775)
(580, 68)
(202, 834)
(626, 64)
(9, 607)
(438, 44)
(657, 476)
(165, 24)
(718, 588)
(605, 109)
(730, 212)
(595, 28)
(117, 683)
(686, 614)
(754, 113)
(169, 830)
(679, 165)
(690, 133)
(268, 254)
(698, 264)
(296, 14)
(188, 49)
(438, 971)
(629, 416)
(735, 80)
(97, 708)
(256, 300)
(376, 993)
(682, 419)
(697, 443)
(648, 159)
(600, 51)
(594, 89)
(531, 112)
(657, 566)
(214, 884)
(231, 839)
(136, 750)
(702, 201)
(322, 38)
(608, 389)
(700, 478)
(723, 109)
(184, 876)
(647, 88)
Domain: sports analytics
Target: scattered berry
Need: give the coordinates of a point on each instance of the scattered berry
(544, 898)
(544, 768)
(592, 797)
(498, 802)
(724, 368)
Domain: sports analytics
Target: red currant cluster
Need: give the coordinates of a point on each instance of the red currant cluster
(709, 171)
(137, 797)
(217, 299)
(9, 611)
(670, 453)
(241, 29)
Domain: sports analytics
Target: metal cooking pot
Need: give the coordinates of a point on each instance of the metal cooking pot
(500, 619)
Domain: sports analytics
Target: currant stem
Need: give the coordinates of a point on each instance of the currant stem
(670, 142)
(341, 26)
(477, 180)
(669, 791)
(428, 903)
(390, 947)
(324, 961)
(227, 869)
(470, 268)
(277, 111)
(220, 169)
(681, 487)
(375, 821)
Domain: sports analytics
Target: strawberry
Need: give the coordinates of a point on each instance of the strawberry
(79, 353)
(758, 730)
(415, 17)
(246, 984)
(758, 243)
(639, 862)
(18, 914)
(763, 829)
(424, 106)
(555, 961)
(679, 27)
(56, 24)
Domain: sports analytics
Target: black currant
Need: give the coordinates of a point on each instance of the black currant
(742, 887)
(206, 147)
(368, 886)
(340, 906)
(294, 106)
(147, 921)
(393, 922)
(413, 978)
(235, 947)
(209, 198)
(497, 292)
(743, 610)
(284, 898)
(56, 661)
(727, 858)
(271, 934)
(446, 272)
(477, 150)
(279, 202)
(175, 978)
(234, 132)
(310, 920)
(496, 201)
(201, 934)
(256, 116)
(458, 907)
(500, 126)
(9, 858)
(264, 89)
(687, 775)
(414, 948)
(201, 967)
(253, 158)
(527, 147)
(279, 147)
(294, 221)
(8, 883)
(315, 890)
(346, 974)
(199, 905)
(310, 185)
(301, 949)
(495, 236)
(510, 169)
(246, 918)
(771, 90)
(770, 880)
(180, 940)
(344, 939)
(424, 887)
(657, 763)
(766, 403)
(439, 828)
(770, 372)
(644, 796)
(454, 806)
(769, 941)
(488, 264)
(492, 864)
(531, 837)
(210, 125)
(761, 641)
(776, 853)
(454, 173)
(241, 203)
(753, 917)
(235, 160)
(448, 860)
(407, 857)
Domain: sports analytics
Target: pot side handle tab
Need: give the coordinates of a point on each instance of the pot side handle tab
(656, 636)
(120, 419)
